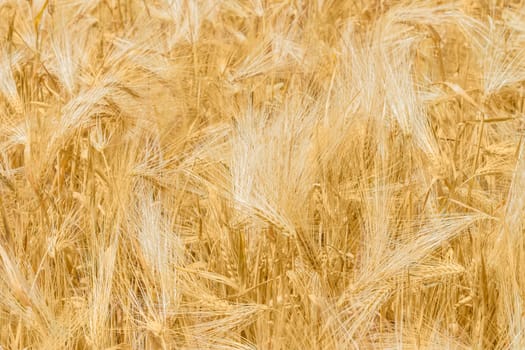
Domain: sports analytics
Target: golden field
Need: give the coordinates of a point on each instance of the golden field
(262, 174)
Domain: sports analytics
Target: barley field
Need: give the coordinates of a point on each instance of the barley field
(262, 174)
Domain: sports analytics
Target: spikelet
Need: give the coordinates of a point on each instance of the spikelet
(262, 174)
